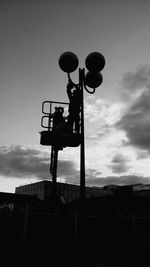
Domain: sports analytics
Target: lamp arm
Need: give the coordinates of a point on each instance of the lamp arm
(78, 84)
(90, 92)
(69, 79)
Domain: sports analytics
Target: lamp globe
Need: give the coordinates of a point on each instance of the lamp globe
(68, 62)
(95, 62)
(93, 80)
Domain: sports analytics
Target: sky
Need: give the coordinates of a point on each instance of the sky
(33, 35)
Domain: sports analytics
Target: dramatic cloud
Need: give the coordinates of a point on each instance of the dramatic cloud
(136, 122)
(114, 134)
(25, 162)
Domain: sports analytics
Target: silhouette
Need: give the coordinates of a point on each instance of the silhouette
(60, 126)
(75, 99)
(58, 117)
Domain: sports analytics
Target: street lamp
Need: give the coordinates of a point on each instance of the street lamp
(94, 63)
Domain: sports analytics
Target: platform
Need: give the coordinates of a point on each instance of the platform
(49, 138)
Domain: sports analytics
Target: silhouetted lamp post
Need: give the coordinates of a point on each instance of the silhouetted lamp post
(94, 63)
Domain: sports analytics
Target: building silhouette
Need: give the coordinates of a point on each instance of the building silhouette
(70, 192)
(67, 192)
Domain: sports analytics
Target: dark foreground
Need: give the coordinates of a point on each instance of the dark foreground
(102, 232)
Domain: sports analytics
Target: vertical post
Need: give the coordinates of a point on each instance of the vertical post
(49, 117)
(82, 147)
(54, 171)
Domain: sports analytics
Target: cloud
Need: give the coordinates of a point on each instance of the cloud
(67, 170)
(117, 180)
(142, 154)
(28, 162)
(100, 117)
(136, 122)
(94, 178)
(119, 163)
(135, 81)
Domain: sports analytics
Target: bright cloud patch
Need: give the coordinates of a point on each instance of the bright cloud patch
(117, 135)
(103, 139)
(100, 116)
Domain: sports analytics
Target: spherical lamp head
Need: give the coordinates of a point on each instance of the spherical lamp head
(93, 80)
(68, 62)
(95, 62)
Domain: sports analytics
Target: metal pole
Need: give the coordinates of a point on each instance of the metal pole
(54, 172)
(82, 146)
